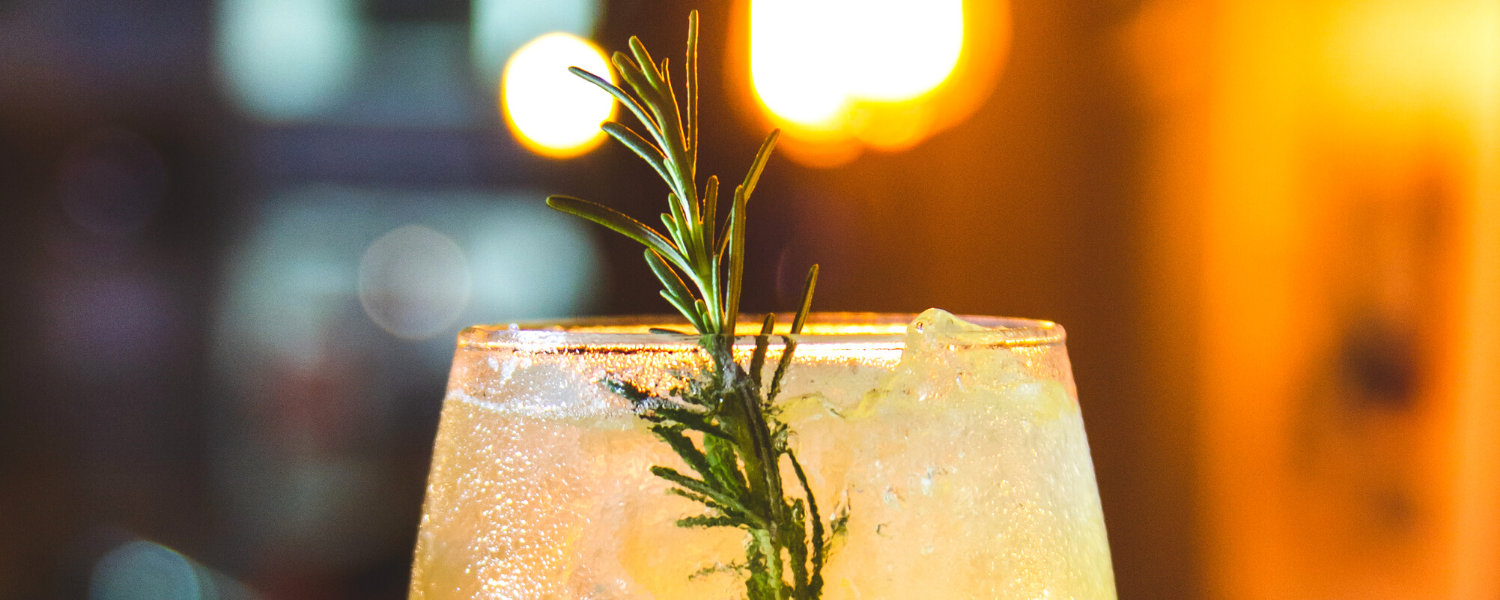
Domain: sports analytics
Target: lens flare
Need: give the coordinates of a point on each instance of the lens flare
(549, 110)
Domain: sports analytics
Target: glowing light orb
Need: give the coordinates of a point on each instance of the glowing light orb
(285, 60)
(497, 28)
(138, 570)
(811, 60)
(551, 111)
(840, 76)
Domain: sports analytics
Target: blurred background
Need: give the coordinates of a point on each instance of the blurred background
(237, 239)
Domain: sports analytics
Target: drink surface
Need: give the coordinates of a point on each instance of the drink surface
(964, 468)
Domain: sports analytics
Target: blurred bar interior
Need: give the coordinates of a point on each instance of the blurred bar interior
(237, 239)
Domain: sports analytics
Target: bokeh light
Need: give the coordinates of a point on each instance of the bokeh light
(811, 59)
(1393, 57)
(336, 321)
(839, 75)
(500, 27)
(551, 111)
(413, 282)
(312, 261)
(526, 260)
(285, 60)
(142, 570)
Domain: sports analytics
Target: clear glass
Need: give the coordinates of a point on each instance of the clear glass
(959, 456)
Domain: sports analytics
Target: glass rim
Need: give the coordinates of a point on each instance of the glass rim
(821, 328)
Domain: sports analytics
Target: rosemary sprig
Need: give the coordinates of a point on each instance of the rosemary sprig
(690, 252)
(735, 472)
(723, 424)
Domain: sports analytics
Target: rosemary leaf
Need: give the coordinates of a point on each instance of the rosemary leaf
(791, 342)
(736, 259)
(642, 148)
(710, 209)
(619, 94)
(761, 156)
(617, 221)
(643, 58)
(675, 285)
(692, 103)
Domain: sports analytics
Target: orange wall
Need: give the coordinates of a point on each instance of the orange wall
(1334, 165)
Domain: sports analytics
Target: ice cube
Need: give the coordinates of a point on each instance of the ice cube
(936, 322)
(957, 444)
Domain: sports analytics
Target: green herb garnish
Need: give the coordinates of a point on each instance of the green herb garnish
(723, 423)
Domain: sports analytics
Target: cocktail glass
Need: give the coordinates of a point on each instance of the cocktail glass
(957, 452)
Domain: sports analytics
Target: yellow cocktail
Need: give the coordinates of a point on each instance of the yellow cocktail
(955, 453)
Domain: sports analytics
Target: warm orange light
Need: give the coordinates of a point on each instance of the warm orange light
(549, 110)
(1406, 57)
(810, 60)
(837, 75)
(1340, 162)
